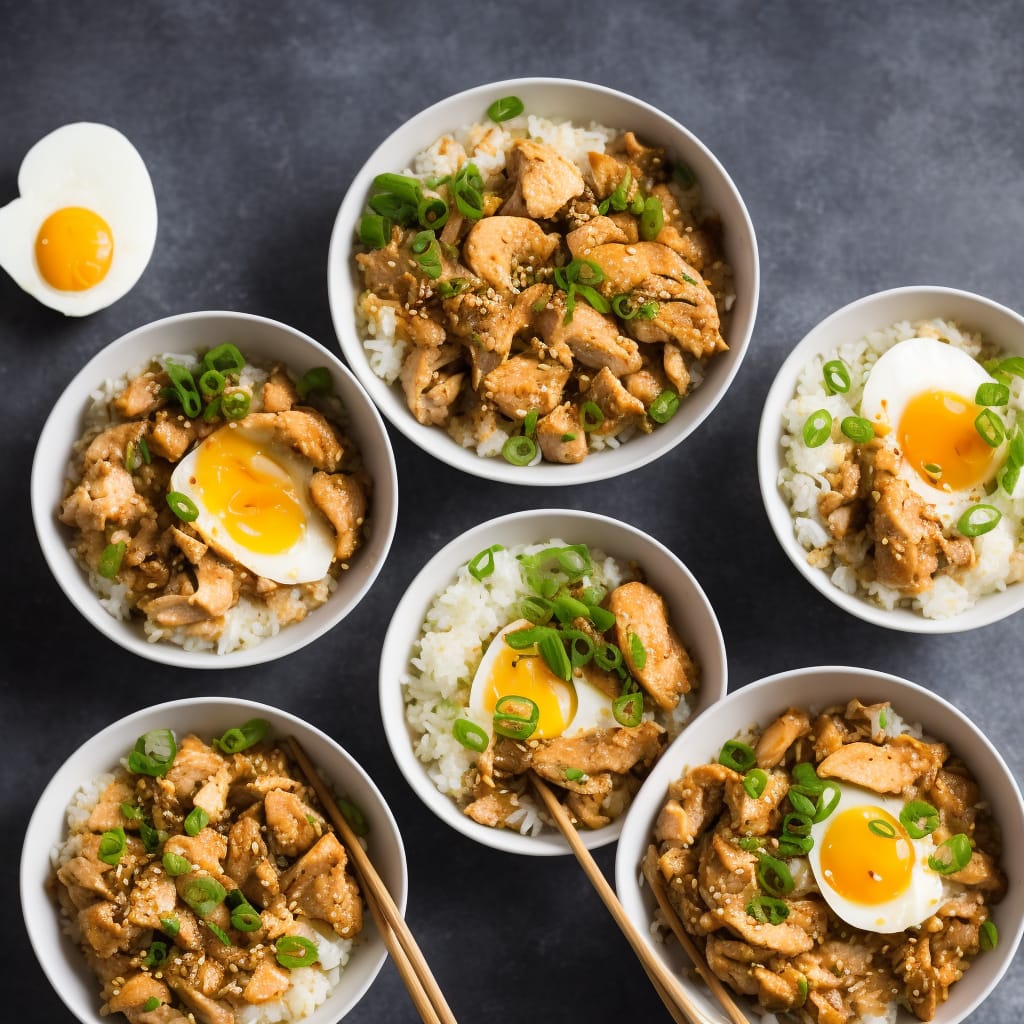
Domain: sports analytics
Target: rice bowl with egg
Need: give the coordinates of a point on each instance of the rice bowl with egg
(963, 539)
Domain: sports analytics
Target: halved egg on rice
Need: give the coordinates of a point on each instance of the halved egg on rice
(871, 872)
(564, 709)
(82, 230)
(254, 507)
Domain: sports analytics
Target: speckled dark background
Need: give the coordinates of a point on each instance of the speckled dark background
(876, 145)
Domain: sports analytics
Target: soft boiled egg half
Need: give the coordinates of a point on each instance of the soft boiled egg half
(82, 230)
(565, 709)
(921, 393)
(252, 495)
(871, 873)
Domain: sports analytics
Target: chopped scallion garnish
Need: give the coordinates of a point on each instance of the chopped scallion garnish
(516, 717)
(112, 846)
(664, 407)
(470, 735)
(817, 428)
(737, 755)
(110, 560)
(505, 109)
(294, 951)
(978, 519)
(857, 429)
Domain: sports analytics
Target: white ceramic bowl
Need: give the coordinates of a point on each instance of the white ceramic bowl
(61, 959)
(582, 103)
(998, 324)
(689, 611)
(817, 688)
(188, 332)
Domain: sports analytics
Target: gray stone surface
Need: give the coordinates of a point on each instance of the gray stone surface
(876, 145)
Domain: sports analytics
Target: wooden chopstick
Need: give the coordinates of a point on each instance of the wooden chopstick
(426, 994)
(657, 883)
(677, 1000)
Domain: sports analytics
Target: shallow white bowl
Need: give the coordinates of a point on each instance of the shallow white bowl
(256, 336)
(582, 103)
(818, 688)
(64, 963)
(998, 324)
(689, 611)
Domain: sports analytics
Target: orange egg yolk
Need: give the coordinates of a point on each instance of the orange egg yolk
(250, 493)
(524, 674)
(74, 249)
(861, 865)
(938, 438)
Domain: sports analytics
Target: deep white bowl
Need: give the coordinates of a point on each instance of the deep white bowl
(998, 324)
(689, 611)
(187, 332)
(817, 688)
(582, 103)
(63, 961)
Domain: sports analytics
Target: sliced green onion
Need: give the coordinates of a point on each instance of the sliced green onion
(129, 457)
(242, 737)
(234, 405)
(990, 428)
(581, 647)
(628, 709)
(152, 838)
(432, 212)
(130, 813)
(183, 506)
(212, 411)
(795, 846)
(648, 310)
(111, 558)
(449, 289)
(519, 450)
(827, 802)
(664, 407)
(619, 199)
(156, 955)
(652, 220)
(537, 609)
(505, 109)
(575, 775)
(224, 358)
(470, 735)
(314, 382)
(481, 565)
(624, 306)
(803, 988)
(112, 846)
(601, 617)
(185, 388)
(920, 819)
(978, 520)
(374, 231)
(353, 814)
(594, 297)
(151, 1004)
(1008, 481)
(144, 449)
(211, 383)
(933, 469)
(390, 207)
(530, 423)
(806, 777)
(175, 864)
(818, 428)
(797, 825)
(857, 429)
(988, 936)
(553, 652)
(196, 820)
(467, 187)
(204, 895)
(1013, 365)
(154, 753)
(294, 951)
(750, 843)
(689, 280)
(608, 657)
(992, 394)
(737, 756)
(773, 875)
(754, 782)
(438, 179)
(637, 652)
(683, 176)
(591, 416)
(520, 639)
(883, 828)
(219, 932)
(516, 717)
(951, 856)
(837, 377)
(801, 803)
(170, 926)
(404, 186)
(568, 608)
(574, 560)
(768, 910)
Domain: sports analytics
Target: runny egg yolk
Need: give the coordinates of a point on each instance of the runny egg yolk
(248, 492)
(74, 249)
(940, 441)
(862, 865)
(515, 673)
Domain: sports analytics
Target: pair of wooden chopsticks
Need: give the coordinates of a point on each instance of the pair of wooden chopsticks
(677, 1000)
(412, 966)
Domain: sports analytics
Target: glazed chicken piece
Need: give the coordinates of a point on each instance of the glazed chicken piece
(617, 405)
(597, 231)
(429, 393)
(194, 764)
(599, 750)
(292, 825)
(342, 498)
(523, 383)
(889, 768)
(279, 394)
(321, 887)
(171, 435)
(776, 740)
(142, 395)
(544, 180)
(305, 430)
(694, 803)
(590, 338)
(249, 864)
(560, 435)
(498, 247)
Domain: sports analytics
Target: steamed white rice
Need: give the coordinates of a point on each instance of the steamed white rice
(459, 626)
(1000, 558)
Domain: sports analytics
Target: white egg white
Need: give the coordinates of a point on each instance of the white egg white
(92, 166)
(305, 561)
(921, 897)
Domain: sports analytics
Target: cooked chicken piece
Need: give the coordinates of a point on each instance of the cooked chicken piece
(320, 886)
(105, 496)
(776, 740)
(617, 405)
(386, 271)
(429, 394)
(107, 812)
(597, 231)
(982, 873)
(207, 848)
(592, 338)
(828, 734)
(889, 768)
(649, 160)
(667, 671)
(599, 750)
(215, 589)
(560, 435)
(105, 931)
(194, 764)
(135, 993)
(523, 383)
(845, 484)
(422, 331)
(627, 224)
(292, 824)
(675, 366)
(86, 876)
(153, 895)
(496, 248)
(732, 961)
(268, 982)
(249, 864)
(172, 610)
(778, 992)
(493, 808)
(756, 817)
(279, 394)
(342, 498)
(192, 547)
(585, 808)
(171, 435)
(647, 383)
(694, 803)
(142, 395)
(608, 173)
(206, 1009)
(677, 868)
(305, 430)
(692, 320)
(956, 798)
(696, 245)
(213, 795)
(111, 445)
(544, 180)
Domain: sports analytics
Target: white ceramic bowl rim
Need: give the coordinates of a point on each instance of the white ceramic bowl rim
(639, 451)
(67, 779)
(700, 630)
(371, 435)
(770, 459)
